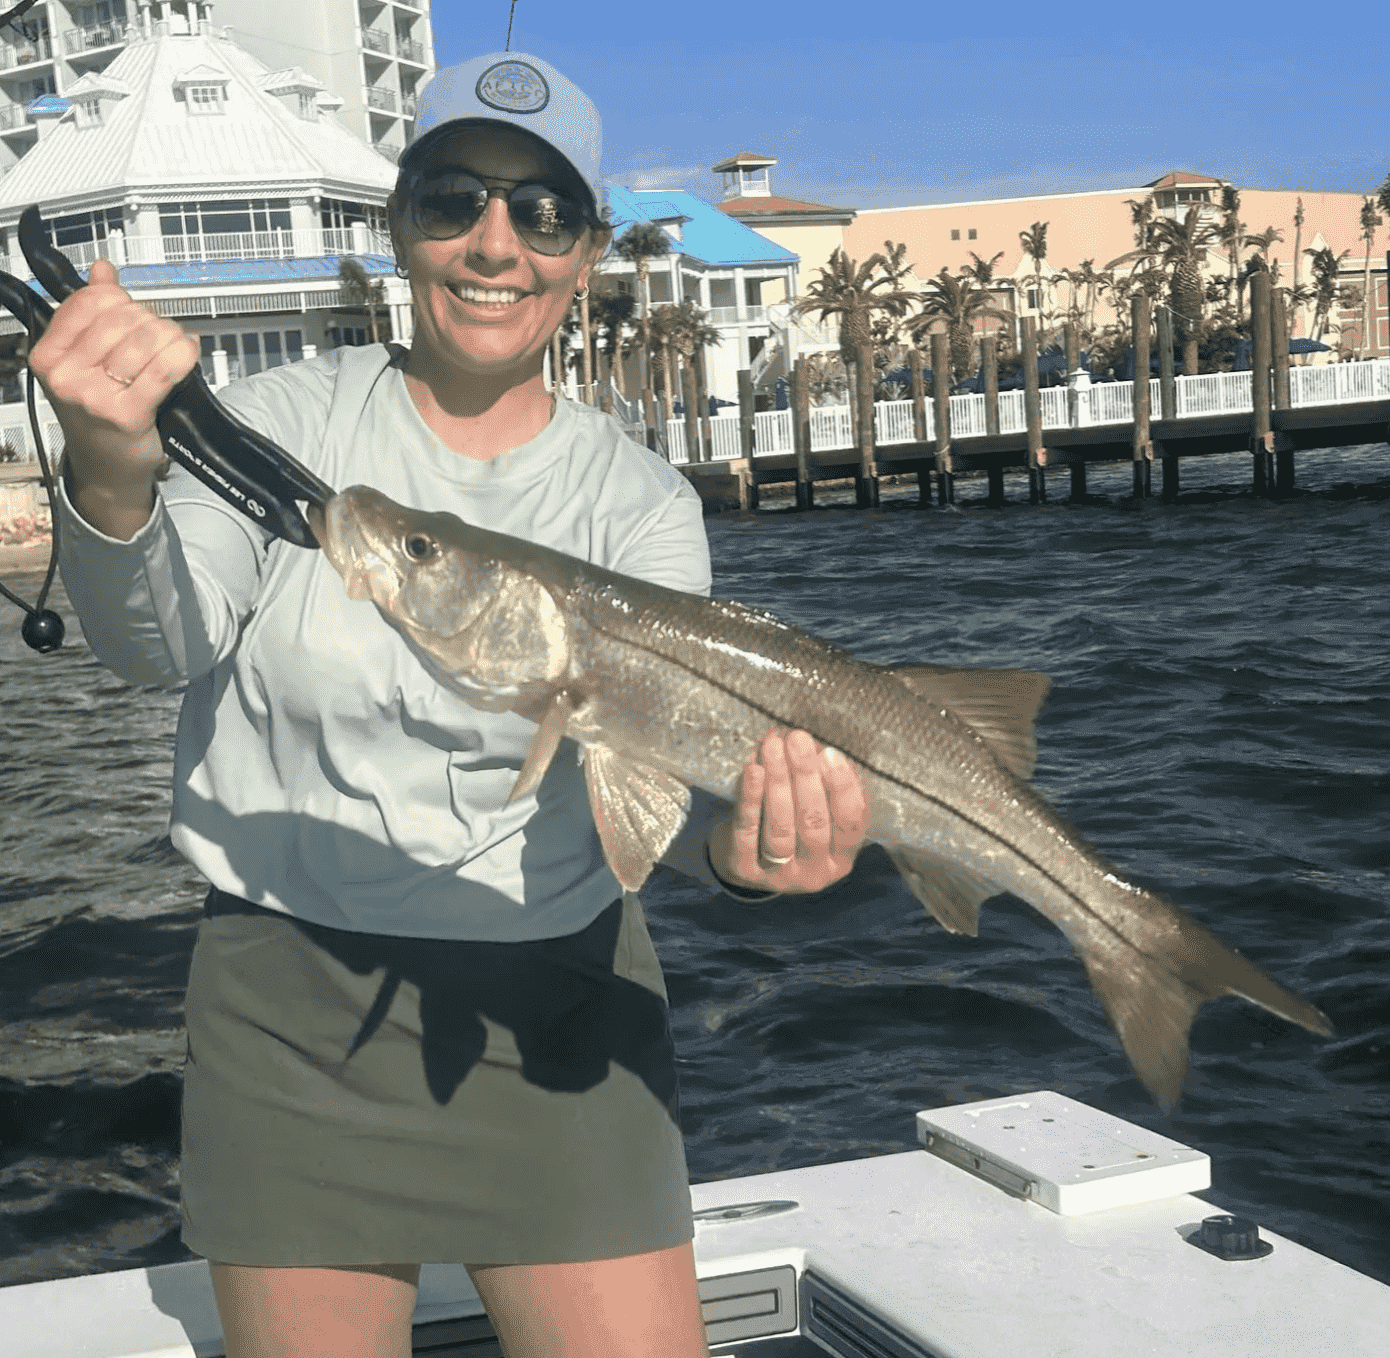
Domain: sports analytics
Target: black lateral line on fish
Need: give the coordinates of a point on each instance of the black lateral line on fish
(888, 777)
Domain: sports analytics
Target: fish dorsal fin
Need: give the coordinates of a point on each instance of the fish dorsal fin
(543, 745)
(638, 811)
(950, 893)
(999, 705)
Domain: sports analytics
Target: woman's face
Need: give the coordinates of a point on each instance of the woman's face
(485, 303)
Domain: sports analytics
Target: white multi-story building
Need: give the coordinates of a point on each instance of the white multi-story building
(373, 54)
(227, 194)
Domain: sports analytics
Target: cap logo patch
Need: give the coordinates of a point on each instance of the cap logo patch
(513, 87)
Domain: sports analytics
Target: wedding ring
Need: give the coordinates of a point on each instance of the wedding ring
(770, 858)
(119, 381)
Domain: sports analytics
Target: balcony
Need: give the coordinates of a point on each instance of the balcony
(25, 53)
(728, 315)
(410, 50)
(376, 40)
(94, 36)
(392, 153)
(381, 99)
(311, 244)
(408, 105)
(12, 119)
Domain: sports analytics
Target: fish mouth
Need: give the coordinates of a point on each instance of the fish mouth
(366, 574)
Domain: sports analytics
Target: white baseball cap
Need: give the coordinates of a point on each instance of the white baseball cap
(522, 91)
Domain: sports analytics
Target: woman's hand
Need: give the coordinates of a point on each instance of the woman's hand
(799, 821)
(106, 363)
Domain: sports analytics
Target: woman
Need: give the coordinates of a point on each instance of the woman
(423, 1024)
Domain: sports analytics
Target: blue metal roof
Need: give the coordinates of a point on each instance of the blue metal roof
(214, 272)
(709, 235)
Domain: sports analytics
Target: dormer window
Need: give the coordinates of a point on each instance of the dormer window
(204, 100)
(89, 112)
(308, 104)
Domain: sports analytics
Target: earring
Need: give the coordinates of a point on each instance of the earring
(582, 293)
(402, 272)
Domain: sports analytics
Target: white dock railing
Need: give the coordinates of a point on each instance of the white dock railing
(1101, 403)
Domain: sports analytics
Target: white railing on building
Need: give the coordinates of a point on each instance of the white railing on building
(1104, 403)
(311, 244)
(376, 40)
(380, 98)
(384, 148)
(410, 50)
(93, 36)
(14, 117)
(728, 315)
(408, 105)
(25, 53)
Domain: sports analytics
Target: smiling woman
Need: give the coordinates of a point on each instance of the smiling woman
(424, 1020)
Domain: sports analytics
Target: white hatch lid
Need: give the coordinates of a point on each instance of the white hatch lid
(1061, 1154)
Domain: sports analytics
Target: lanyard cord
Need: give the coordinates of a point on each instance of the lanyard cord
(42, 629)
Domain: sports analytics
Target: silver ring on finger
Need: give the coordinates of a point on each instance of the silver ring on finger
(119, 381)
(772, 858)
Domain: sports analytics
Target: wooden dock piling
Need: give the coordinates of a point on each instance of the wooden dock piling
(1071, 349)
(1261, 430)
(941, 413)
(1032, 412)
(989, 365)
(649, 415)
(1279, 337)
(1167, 399)
(587, 358)
(866, 483)
(748, 494)
(800, 393)
(692, 415)
(1142, 443)
(919, 421)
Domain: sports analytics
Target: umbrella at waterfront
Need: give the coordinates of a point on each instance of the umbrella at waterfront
(1302, 345)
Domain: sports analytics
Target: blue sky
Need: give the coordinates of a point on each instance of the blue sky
(876, 105)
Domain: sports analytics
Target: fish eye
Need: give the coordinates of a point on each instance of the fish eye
(420, 547)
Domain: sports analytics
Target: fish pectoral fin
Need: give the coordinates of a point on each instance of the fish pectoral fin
(1000, 706)
(638, 811)
(543, 746)
(952, 894)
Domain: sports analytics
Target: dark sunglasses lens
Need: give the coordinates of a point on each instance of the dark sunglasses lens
(448, 205)
(545, 219)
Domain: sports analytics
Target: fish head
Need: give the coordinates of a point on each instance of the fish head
(481, 625)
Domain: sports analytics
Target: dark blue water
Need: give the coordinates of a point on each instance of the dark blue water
(1219, 723)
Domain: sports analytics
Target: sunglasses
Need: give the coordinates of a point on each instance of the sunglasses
(446, 203)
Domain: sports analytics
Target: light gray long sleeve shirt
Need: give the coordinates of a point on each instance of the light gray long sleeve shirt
(319, 770)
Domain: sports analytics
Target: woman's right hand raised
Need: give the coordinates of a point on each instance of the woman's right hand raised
(106, 363)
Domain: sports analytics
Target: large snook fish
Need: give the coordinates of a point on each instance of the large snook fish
(665, 691)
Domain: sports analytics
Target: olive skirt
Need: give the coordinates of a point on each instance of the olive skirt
(354, 1098)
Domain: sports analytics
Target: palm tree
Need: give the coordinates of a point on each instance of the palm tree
(1035, 247)
(1141, 215)
(855, 293)
(1370, 220)
(639, 245)
(982, 270)
(1325, 266)
(960, 302)
(663, 323)
(1231, 231)
(610, 312)
(1178, 247)
(359, 288)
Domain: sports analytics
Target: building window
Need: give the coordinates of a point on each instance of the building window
(204, 100)
(309, 104)
(337, 215)
(84, 227)
(231, 217)
(252, 352)
(955, 233)
(972, 233)
(338, 336)
(89, 112)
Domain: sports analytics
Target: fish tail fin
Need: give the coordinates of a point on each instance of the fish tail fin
(1152, 1000)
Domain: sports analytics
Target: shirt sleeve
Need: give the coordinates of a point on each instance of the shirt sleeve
(169, 605)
